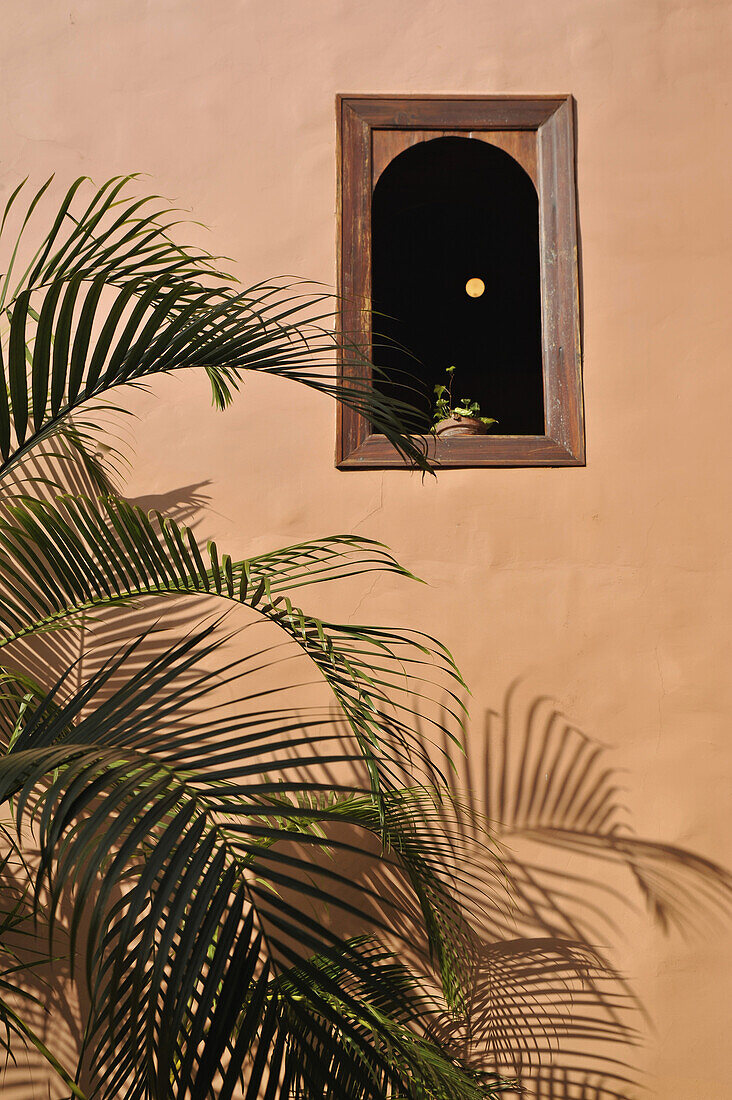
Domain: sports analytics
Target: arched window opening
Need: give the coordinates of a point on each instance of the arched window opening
(456, 280)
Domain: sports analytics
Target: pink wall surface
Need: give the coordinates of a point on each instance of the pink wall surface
(606, 588)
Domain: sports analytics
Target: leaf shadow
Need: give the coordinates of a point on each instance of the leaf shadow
(553, 1007)
(47, 656)
(539, 845)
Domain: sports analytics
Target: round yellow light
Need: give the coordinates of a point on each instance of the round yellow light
(474, 287)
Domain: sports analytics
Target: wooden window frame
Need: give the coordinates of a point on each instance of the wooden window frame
(552, 119)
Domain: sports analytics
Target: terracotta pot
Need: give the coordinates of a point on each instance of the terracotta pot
(460, 425)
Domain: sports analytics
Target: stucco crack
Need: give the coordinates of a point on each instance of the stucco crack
(373, 511)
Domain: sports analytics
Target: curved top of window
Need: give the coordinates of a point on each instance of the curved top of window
(437, 161)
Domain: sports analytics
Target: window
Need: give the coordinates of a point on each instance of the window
(458, 246)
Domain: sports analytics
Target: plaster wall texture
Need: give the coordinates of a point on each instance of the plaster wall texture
(607, 587)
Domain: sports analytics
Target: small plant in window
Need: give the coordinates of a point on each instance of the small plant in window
(457, 417)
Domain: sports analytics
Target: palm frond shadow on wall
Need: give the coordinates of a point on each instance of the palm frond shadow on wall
(549, 1005)
(554, 1006)
(99, 635)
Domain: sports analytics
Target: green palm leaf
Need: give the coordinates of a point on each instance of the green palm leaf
(114, 234)
(209, 894)
(204, 853)
(110, 300)
(59, 560)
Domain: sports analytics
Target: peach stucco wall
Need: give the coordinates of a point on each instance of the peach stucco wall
(606, 587)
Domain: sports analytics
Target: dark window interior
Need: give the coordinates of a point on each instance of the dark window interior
(444, 212)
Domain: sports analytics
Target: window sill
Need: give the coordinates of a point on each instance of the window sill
(375, 452)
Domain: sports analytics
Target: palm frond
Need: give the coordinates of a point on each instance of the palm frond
(221, 893)
(108, 300)
(205, 854)
(113, 234)
(327, 1069)
(59, 560)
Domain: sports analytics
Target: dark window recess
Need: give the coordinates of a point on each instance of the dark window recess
(446, 211)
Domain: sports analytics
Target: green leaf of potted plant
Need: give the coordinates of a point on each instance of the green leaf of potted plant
(457, 418)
